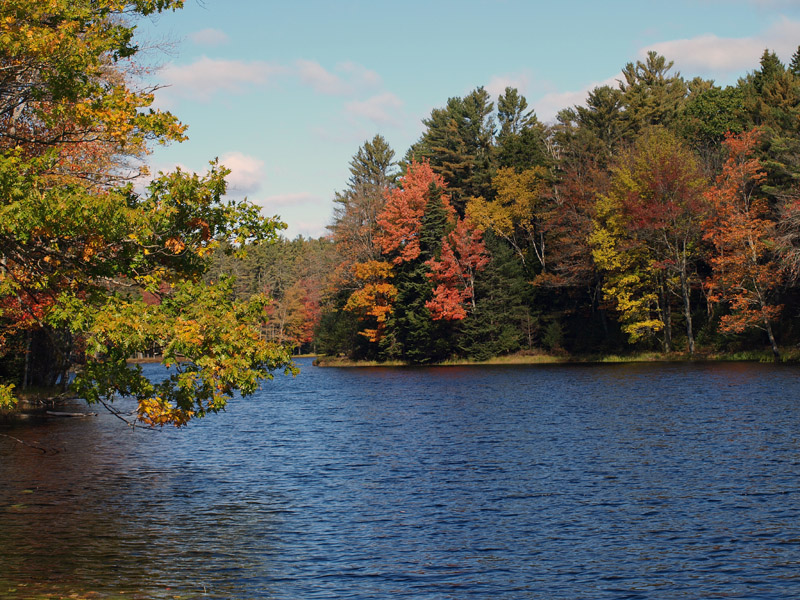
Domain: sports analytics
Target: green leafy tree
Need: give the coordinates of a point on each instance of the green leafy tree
(711, 112)
(87, 262)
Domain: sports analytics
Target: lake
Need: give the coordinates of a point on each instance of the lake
(545, 481)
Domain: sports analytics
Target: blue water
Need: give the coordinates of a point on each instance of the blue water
(614, 481)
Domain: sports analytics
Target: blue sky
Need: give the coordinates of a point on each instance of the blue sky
(284, 93)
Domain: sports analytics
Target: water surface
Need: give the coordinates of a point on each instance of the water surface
(614, 481)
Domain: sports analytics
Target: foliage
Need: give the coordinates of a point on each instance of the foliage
(516, 212)
(7, 398)
(401, 220)
(620, 224)
(356, 210)
(745, 273)
(457, 143)
(375, 298)
(213, 343)
(500, 322)
(650, 94)
(463, 255)
(630, 278)
(91, 271)
(656, 192)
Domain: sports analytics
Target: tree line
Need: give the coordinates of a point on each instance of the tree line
(662, 214)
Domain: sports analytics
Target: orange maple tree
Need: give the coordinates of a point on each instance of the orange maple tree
(401, 218)
(373, 301)
(744, 272)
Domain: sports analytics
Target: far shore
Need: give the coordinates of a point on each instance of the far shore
(765, 356)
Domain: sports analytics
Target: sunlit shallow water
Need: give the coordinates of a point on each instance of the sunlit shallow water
(614, 481)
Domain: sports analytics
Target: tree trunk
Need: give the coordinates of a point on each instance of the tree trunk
(667, 318)
(775, 352)
(687, 311)
(28, 337)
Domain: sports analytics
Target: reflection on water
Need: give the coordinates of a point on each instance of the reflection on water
(618, 481)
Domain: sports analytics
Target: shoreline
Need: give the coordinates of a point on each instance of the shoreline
(761, 356)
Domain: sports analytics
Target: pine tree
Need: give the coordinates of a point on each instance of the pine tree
(501, 322)
(420, 339)
(794, 66)
(458, 143)
(772, 103)
(650, 94)
(520, 142)
(356, 209)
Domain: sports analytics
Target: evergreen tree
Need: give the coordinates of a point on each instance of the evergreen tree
(513, 114)
(592, 133)
(772, 102)
(603, 117)
(357, 208)
(521, 141)
(650, 94)
(458, 143)
(711, 112)
(501, 322)
(794, 66)
(418, 338)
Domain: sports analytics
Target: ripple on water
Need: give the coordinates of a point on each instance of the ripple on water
(616, 481)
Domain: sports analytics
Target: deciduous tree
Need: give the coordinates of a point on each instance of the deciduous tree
(745, 274)
(463, 256)
(78, 252)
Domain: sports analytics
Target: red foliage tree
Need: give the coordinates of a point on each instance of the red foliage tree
(463, 255)
(401, 218)
(744, 272)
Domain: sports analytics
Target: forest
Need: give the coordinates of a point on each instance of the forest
(662, 215)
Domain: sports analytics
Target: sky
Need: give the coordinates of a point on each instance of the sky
(284, 93)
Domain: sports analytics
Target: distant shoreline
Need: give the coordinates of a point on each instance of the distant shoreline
(788, 356)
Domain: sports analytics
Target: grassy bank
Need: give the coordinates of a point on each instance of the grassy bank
(789, 355)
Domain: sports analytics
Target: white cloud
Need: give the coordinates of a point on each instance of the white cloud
(247, 173)
(548, 106)
(710, 55)
(291, 200)
(382, 109)
(312, 229)
(209, 37)
(320, 79)
(304, 214)
(349, 78)
(360, 75)
(203, 78)
(707, 55)
(497, 85)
